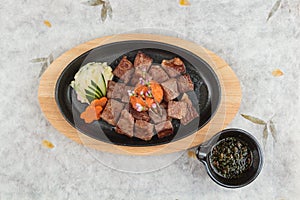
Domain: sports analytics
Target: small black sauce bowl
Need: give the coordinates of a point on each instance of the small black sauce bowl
(203, 153)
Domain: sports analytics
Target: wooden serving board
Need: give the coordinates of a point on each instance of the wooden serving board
(229, 105)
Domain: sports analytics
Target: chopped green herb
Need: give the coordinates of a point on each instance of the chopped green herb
(230, 158)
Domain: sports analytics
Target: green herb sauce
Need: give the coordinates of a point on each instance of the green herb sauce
(230, 158)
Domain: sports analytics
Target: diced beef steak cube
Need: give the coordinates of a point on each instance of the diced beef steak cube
(139, 115)
(134, 80)
(164, 129)
(112, 111)
(124, 69)
(128, 76)
(164, 105)
(143, 130)
(177, 109)
(191, 111)
(171, 72)
(110, 88)
(174, 67)
(125, 97)
(142, 61)
(190, 116)
(158, 74)
(119, 91)
(126, 123)
(158, 115)
(185, 83)
(170, 89)
(115, 90)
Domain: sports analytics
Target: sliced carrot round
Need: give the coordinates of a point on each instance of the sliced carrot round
(141, 89)
(137, 103)
(149, 101)
(157, 91)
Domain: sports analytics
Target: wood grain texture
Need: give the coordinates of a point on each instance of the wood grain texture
(229, 106)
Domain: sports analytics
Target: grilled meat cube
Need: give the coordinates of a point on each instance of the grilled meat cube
(128, 76)
(124, 69)
(125, 124)
(125, 97)
(164, 129)
(143, 130)
(142, 61)
(115, 90)
(191, 111)
(112, 111)
(170, 89)
(134, 80)
(158, 74)
(171, 72)
(177, 109)
(174, 67)
(139, 115)
(164, 105)
(110, 88)
(159, 115)
(185, 83)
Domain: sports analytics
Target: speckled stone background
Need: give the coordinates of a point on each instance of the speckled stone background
(236, 30)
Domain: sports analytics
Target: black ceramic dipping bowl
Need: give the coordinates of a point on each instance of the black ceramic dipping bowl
(203, 153)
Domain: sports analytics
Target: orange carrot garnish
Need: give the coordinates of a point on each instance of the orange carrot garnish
(157, 91)
(99, 102)
(93, 111)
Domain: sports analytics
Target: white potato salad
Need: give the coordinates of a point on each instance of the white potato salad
(90, 82)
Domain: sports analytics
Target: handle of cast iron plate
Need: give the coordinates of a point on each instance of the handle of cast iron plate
(202, 152)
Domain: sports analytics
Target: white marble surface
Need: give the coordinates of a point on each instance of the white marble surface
(236, 30)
